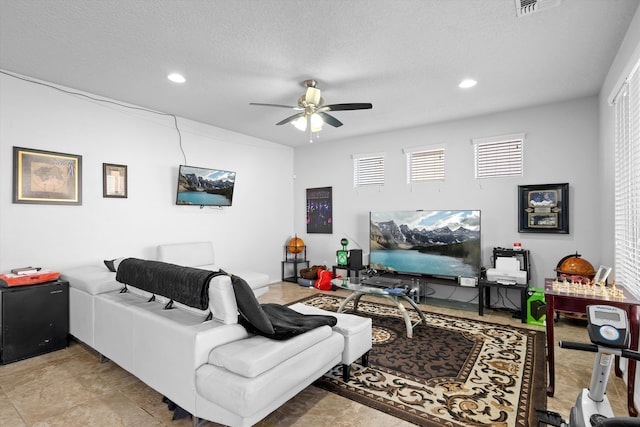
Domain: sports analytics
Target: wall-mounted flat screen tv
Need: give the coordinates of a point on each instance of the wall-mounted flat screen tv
(204, 186)
(431, 243)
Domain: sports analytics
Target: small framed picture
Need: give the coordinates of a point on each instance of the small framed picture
(543, 208)
(46, 177)
(114, 180)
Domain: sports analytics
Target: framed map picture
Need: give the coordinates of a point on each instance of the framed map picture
(46, 177)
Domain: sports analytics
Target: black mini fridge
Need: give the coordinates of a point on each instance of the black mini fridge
(34, 319)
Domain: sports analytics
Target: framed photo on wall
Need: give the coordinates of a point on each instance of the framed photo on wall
(319, 210)
(46, 177)
(543, 208)
(114, 180)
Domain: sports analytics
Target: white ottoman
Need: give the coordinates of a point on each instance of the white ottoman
(356, 331)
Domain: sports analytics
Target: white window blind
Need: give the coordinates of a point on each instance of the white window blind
(425, 165)
(497, 157)
(368, 169)
(627, 185)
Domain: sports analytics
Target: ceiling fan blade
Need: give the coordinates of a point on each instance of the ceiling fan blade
(351, 106)
(329, 119)
(290, 119)
(291, 107)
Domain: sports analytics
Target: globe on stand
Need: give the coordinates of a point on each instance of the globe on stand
(295, 246)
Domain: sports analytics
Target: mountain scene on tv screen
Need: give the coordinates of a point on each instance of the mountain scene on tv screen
(453, 234)
(195, 184)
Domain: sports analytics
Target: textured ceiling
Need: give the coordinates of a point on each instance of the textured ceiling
(404, 56)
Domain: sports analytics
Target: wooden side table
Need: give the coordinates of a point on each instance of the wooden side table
(577, 303)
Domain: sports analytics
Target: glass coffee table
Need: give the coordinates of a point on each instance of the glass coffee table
(397, 295)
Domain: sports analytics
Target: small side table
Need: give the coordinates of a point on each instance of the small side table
(294, 262)
(349, 270)
(484, 296)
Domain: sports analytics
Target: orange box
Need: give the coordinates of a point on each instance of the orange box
(27, 279)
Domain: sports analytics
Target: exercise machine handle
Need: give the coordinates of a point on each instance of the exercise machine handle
(579, 346)
(630, 354)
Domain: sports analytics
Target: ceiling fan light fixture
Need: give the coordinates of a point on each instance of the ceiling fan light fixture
(313, 112)
(313, 96)
(316, 122)
(300, 123)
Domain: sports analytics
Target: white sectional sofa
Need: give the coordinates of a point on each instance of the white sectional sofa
(212, 369)
(87, 281)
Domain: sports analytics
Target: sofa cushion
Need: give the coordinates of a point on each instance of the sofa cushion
(93, 279)
(252, 356)
(265, 393)
(211, 267)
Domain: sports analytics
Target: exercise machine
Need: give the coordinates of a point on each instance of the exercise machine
(608, 329)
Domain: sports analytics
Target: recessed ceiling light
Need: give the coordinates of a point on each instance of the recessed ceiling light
(176, 78)
(467, 83)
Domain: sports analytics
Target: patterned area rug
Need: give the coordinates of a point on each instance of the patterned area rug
(454, 372)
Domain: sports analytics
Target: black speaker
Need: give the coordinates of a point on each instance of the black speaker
(537, 309)
(355, 258)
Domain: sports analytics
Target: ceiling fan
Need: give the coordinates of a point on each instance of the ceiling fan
(313, 112)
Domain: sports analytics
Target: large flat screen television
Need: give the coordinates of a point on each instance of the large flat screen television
(429, 243)
(204, 186)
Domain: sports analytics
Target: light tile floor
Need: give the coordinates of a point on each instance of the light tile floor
(71, 387)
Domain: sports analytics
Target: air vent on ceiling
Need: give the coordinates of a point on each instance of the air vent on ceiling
(527, 7)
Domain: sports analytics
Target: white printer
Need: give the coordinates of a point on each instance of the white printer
(510, 267)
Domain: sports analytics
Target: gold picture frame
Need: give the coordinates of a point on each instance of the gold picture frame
(114, 180)
(46, 177)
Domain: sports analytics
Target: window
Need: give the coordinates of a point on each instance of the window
(627, 184)
(425, 164)
(499, 156)
(368, 169)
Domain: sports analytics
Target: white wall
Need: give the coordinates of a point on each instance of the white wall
(561, 146)
(248, 234)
